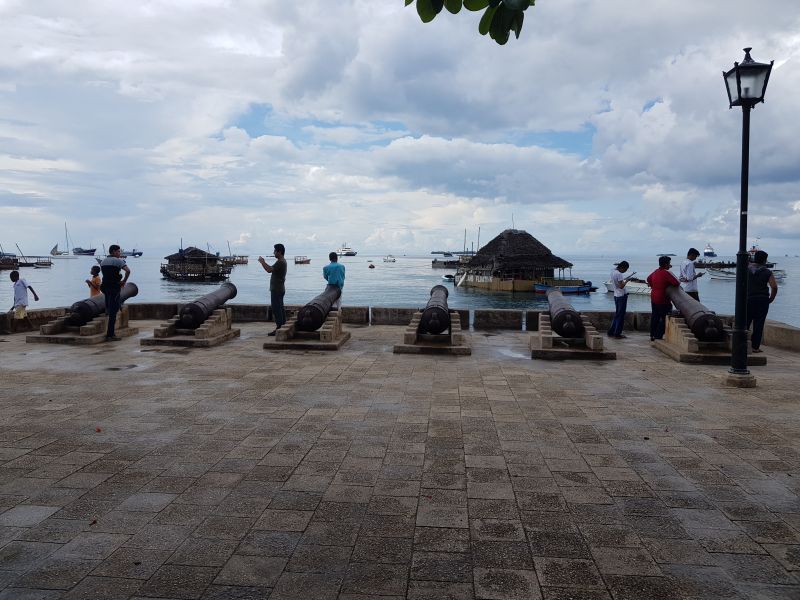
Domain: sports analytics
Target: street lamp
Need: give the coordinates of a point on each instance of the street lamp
(746, 84)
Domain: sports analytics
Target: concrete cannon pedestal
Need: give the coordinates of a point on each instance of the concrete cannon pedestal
(425, 343)
(215, 330)
(681, 345)
(330, 336)
(548, 345)
(94, 332)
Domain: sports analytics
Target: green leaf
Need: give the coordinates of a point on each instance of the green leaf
(501, 24)
(486, 20)
(475, 5)
(428, 9)
(409, 2)
(454, 6)
(516, 24)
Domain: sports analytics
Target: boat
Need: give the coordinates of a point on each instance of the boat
(730, 274)
(634, 286)
(9, 262)
(389, 258)
(78, 251)
(438, 263)
(714, 264)
(709, 251)
(56, 253)
(37, 262)
(371, 266)
(194, 264)
(302, 260)
(346, 250)
(568, 287)
(134, 253)
(449, 277)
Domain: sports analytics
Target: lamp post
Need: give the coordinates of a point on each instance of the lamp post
(746, 84)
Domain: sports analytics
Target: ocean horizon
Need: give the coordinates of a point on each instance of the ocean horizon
(405, 283)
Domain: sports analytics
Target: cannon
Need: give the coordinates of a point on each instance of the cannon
(85, 310)
(195, 313)
(313, 315)
(565, 320)
(703, 323)
(436, 316)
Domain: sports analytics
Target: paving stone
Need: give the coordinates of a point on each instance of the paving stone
(91, 546)
(308, 558)
(375, 578)
(429, 515)
(437, 539)
(251, 571)
(501, 555)
(506, 584)
(382, 550)
(568, 572)
(22, 556)
(306, 586)
(284, 520)
(624, 561)
(132, 563)
(178, 581)
(334, 533)
(57, 573)
(107, 588)
(643, 588)
(26, 515)
(435, 590)
(203, 552)
(441, 566)
(159, 537)
(497, 529)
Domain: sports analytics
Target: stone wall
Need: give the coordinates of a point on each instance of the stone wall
(498, 319)
(38, 316)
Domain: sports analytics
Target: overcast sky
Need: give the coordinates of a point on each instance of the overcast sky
(604, 129)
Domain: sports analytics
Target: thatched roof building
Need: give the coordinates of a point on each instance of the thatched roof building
(516, 254)
(193, 255)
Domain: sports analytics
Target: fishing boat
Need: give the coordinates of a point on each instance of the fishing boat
(389, 258)
(302, 260)
(730, 274)
(449, 277)
(8, 262)
(134, 253)
(78, 251)
(568, 287)
(708, 251)
(346, 250)
(634, 286)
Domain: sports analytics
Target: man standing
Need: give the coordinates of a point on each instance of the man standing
(112, 285)
(334, 275)
(620, 300)
(688, 276)
(277, 285)
(659, 280)
(758, 298)
(20, 308)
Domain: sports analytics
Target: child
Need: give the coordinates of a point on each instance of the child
(21, 288)
(94, 282)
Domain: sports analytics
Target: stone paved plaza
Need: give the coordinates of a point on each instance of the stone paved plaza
(235, 472)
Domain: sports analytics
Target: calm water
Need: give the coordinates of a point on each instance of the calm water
(406, 283)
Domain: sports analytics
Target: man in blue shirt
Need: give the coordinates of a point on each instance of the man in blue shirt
(334, 275)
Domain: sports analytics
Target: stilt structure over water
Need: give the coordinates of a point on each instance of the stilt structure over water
(514, 261)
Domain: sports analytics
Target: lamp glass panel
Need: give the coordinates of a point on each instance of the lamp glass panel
(730, 80)
(752, 82)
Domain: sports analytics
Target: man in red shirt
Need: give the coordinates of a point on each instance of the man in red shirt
(659, 280)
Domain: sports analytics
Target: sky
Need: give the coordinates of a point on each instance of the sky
(604, 129)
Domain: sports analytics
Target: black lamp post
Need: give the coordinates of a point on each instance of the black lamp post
(746, 84)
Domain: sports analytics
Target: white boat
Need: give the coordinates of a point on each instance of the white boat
(709, 251)
(730, 274)
(389, 258)
(56, 253)
(346, 250)
(640, 288)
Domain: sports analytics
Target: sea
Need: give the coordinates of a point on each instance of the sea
(405, 283)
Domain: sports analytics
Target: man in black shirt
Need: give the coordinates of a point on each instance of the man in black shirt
(759, 277)
(111, 286)
(277, 287)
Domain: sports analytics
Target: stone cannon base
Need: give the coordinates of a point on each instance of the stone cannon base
(444, 343)
(94, 332)
(328, 337)
(681, 345)
(547, 345)
(215, 330)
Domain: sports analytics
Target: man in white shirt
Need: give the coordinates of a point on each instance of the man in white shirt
(620, 300)
(21, 288)
(688, 275)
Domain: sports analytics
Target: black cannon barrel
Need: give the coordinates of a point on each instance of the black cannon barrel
(85, 310)
(195, 313)
(704, 323)
(313, 315)
(564, 319)
(436, 316)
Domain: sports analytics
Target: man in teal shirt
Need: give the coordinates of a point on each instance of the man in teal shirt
(334, 275)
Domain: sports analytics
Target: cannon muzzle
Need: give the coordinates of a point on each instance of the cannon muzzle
(84, 311)
(313, 315)
(564, 319)
(436, 316)
(704, 323)
(195, 313)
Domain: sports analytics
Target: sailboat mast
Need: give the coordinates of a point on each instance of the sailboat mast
(66, 236)
(465, 240)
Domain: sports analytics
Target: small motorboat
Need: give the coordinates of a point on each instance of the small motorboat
(568, 288)
(371, 266)
(389, 258)
(449, 277)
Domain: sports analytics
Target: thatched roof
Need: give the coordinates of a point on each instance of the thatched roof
(192, 254)
(515, 249)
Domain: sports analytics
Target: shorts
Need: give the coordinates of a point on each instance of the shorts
(20, 312)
